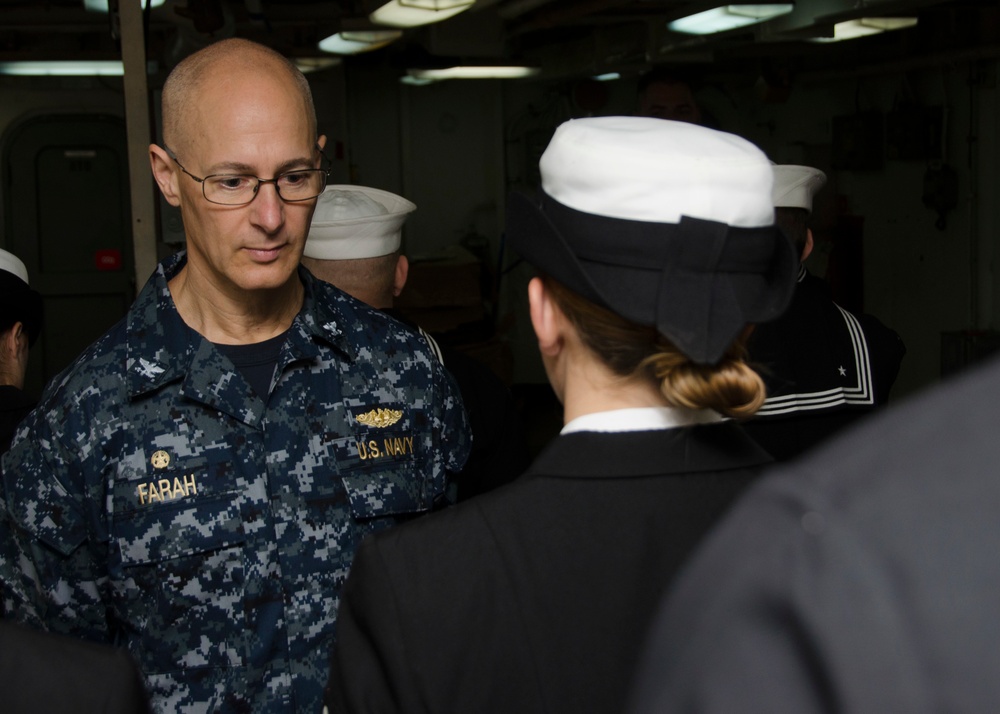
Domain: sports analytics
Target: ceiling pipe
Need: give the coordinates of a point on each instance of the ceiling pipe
(516, 8)
(560, 16)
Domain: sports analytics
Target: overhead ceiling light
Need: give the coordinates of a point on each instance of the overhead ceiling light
(608, 77)
(865, 26)
(67, 68)
(314, 64)
(102, 5)
(352, 43)
(728, 17)
(437, 4)
(415, 81)
(474, 72)
(412, 13)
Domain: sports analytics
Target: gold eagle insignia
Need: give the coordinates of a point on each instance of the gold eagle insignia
(380, 418)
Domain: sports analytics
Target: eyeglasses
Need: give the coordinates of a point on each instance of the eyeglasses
(241, 189)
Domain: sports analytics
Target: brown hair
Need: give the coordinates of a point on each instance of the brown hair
(730, 387)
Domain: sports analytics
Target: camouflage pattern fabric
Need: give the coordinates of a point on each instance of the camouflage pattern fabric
(155, 501)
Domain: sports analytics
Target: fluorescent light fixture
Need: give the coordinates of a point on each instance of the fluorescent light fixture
(415, 81)
(474, 72)
(412, 13)
(609, 77)
(436, 4)
(728, 17)
(102, 5)
(313, 64)
(67, 68)
(352, 43)
(865, 26)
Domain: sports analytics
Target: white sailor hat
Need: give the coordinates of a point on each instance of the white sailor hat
(795, 186)
(665, 223)
(356, 222)
(10, 263)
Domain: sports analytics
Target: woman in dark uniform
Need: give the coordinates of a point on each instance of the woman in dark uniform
(656, 248)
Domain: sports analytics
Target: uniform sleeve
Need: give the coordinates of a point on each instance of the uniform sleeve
(50, 571)
(784, 609)
(370, 665)
(499, 450)
(453, 435)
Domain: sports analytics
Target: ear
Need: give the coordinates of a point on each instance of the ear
(11, 339)
(23, 341)
(808, 246)
(399, 279)
(321, 142)
(163, 172)
(546, 318)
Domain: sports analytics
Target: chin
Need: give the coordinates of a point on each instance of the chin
(267, 277)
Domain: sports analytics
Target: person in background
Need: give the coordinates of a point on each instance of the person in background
(824, 366)
(862, 577)
(656, 248)
(354, 243)
(193, 487)
(664, 93)
(55, 674)
(20, 325)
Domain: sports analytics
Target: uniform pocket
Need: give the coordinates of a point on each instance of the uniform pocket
(389, 489)
(183, 582)
(383, 471)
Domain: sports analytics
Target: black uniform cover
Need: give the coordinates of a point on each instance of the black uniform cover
(698, 282)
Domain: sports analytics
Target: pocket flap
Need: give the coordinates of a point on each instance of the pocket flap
(387, 491)
(165, 531)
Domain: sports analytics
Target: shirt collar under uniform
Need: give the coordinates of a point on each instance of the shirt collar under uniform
(641, 419)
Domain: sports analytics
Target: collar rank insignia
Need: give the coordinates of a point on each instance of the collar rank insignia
(380, 418)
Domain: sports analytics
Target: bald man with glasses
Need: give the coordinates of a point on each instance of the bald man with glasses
(194, 486)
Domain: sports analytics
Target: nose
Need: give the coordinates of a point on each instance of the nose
(267, 208)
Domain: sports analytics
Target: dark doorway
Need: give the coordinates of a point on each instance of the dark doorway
(65, 188)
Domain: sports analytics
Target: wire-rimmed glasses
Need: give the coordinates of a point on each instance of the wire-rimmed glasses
(241, 189)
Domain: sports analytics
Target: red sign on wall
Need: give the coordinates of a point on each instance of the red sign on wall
(108, 259)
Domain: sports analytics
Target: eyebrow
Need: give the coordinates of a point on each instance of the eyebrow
(236, 167)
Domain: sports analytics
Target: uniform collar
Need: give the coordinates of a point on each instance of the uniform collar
(698, 448)
(641, 419)
(161, 348)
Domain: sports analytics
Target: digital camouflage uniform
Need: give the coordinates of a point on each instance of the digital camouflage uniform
(159, 503)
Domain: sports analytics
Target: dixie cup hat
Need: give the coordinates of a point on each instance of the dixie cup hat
(795, 186)
(353, 222)
(18, 302)
(665, 223)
